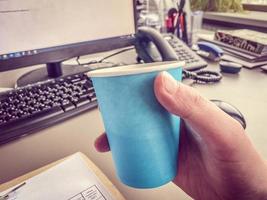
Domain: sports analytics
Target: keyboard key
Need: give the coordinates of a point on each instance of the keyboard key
(82, 101)
(67, 107)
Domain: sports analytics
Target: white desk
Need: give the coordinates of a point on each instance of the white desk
(247, 91)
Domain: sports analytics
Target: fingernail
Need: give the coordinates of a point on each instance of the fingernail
(169, 82)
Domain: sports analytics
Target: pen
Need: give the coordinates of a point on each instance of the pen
(6, 196)
(185, 38)
(171, 20)
(182, 23)
(177, 25)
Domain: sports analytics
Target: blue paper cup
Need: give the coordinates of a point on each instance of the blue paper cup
(143, 136)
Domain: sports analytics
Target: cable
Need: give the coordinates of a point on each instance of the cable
(102, 59)
(87, 63)
(203, 76)
(116, 53)
(77, 60)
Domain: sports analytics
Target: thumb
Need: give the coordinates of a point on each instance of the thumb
(212, 124)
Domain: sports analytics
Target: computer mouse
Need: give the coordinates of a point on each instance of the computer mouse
(230, 67)
(231, 110)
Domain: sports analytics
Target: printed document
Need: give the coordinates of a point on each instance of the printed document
(70, 180)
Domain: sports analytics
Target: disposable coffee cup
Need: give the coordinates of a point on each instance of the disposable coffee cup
(143, 136)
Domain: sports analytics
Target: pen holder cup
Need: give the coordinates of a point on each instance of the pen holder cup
(143, 136)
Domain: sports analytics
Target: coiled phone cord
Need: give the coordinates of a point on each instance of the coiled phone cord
(203, 76)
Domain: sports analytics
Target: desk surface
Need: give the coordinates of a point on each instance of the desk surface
(247, 91)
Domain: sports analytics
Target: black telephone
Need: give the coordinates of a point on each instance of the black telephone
(152, 46)
(148, 41)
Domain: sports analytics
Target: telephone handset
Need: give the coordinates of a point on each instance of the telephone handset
(152, 47)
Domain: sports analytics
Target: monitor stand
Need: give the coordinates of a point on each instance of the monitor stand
(51, 71)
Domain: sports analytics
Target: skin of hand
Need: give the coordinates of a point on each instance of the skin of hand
(217, 159)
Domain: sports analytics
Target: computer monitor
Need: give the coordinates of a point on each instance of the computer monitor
(50, 32)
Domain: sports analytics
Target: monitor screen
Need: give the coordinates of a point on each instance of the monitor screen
(46, 31)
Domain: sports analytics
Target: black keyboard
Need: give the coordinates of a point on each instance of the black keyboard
(184, 53)
(34, 107)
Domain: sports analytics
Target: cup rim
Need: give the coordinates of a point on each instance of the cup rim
(135, 69)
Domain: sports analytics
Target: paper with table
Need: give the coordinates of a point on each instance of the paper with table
(69, 180)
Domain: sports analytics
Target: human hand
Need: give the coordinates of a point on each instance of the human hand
(217, 159)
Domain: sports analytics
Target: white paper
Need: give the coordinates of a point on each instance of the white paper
(69, 180)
